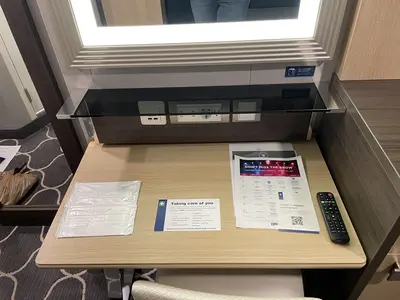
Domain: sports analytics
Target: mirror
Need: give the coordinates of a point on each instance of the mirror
(158, 33)
(165, 12)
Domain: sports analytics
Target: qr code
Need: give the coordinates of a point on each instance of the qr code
(297, 221)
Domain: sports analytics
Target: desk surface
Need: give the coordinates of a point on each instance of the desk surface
(194, 171)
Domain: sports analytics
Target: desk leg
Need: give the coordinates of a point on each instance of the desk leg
(114, 283)
(128, 277)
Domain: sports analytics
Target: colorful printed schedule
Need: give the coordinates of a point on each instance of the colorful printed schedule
(188, 215)
(273, 193)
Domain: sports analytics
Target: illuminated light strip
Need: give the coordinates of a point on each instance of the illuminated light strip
(93, 35)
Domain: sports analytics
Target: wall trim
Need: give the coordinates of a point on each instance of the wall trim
(27, 130)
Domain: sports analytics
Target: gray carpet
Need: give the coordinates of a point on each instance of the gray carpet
(19, 277)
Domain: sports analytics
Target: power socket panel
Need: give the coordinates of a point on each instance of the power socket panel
(198, 112)
(152, 108)
(201, 113)
(153, 120)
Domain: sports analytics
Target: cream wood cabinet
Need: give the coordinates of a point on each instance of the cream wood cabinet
(372, 50)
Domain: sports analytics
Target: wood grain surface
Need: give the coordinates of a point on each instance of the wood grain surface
(355, 146)
(370, 197)
(372, 50)
(133, 12)
(195, 171)
(379, 104)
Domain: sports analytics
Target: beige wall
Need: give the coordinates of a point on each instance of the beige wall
(16, 108)
(385, 290)
(379, 287)
(373, 47)
(13, 112)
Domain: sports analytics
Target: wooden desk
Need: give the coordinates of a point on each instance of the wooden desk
(194, 171)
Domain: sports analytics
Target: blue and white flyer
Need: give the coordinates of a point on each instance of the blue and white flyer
(188, 215)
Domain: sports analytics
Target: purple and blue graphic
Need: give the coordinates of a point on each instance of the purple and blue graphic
(269, 168)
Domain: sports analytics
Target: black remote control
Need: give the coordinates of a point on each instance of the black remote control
(333, 220)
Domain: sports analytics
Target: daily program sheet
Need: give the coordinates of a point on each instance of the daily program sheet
(254, 150)
(273, 193)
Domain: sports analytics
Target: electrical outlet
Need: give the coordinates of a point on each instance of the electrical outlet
(199, 113)
(153, 120)
(152, 108)
(245, 110)
(247, 106)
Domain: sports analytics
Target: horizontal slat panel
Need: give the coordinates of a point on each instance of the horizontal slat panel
(201, 54)
(199, 57)
(89, 64)
(204, 46)
(93, 55)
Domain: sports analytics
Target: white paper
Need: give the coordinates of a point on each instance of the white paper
(8, 153)
(273, 193)
(253, 150)
(100, 209)
(188, 215)
(296, 210)
(255, 203)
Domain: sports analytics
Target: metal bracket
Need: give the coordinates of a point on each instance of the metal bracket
(394, 275)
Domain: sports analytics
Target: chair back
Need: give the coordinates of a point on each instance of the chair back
(144, 290)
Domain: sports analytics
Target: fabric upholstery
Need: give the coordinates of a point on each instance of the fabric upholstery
(144, 290)
(234, 282)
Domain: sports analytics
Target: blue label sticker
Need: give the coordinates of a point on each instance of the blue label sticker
(280, 195)
(160, 218)
(303, 71)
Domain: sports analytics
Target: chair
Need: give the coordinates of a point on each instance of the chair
(221, 285)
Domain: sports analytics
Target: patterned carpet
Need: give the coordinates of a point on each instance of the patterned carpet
(20, 279)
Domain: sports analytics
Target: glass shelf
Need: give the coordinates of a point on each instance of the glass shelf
(178, 101)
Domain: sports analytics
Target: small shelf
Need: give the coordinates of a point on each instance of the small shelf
(224, 100)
